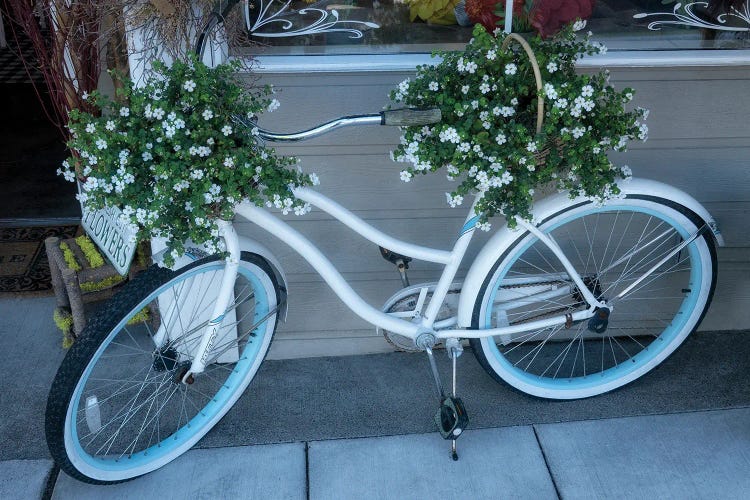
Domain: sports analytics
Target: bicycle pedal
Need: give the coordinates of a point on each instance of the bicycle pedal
(451, 418)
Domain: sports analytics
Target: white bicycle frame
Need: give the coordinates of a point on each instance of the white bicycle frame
(424, 325)
(411, 329)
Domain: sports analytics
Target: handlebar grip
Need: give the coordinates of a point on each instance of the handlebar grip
(406, 117)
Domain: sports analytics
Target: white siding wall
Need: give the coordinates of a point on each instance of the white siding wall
(699, 141)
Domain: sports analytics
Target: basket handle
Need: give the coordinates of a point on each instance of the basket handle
(514, 37)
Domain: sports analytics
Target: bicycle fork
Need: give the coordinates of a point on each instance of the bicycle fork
(211, 332)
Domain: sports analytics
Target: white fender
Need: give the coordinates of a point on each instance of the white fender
(252, 246)
(504, 237)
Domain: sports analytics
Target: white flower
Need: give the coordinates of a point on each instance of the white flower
(314, 179)
(406, 175)
(147, 156)
(587, 91)
(101, 144)
(226, 130)
(491, 55)
(85, 96)
(484, 88)
(627, 173)
(124, 111)
(501, 139)
(158, 113)
(531, 147)
(561, 103)
(471, 67)
(90, 128)
(273, 105)
(552, 66)
(578, 132)
(464, 147)
(454, 201)
(510, 69)
(210, 141)
(69, 175)
(189, 85)
(643, 132)
(600, 46)
(596, 150)
(110, 125)
(484, 226)
(433, 86)
(550, 91)
(465, 89)
(579, 25)
(229, 162)
(208, 114)
(449, 135)
(507, 111)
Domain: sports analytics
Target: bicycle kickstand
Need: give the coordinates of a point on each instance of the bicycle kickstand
(451, 417)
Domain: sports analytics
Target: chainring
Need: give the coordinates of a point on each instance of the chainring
(408, 303)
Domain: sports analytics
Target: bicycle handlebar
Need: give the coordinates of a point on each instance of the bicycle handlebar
(393, 117)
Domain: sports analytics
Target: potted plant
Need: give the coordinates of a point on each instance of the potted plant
(515, 121)
(180, 152)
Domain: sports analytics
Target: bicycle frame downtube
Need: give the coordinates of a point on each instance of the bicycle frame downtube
(222, 301)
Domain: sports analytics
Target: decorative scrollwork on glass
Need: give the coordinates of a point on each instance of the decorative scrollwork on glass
(686, 15)
(324, 22)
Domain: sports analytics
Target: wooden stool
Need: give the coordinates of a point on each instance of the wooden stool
(76, 287)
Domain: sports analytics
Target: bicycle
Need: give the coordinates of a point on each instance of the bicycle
(584, 301)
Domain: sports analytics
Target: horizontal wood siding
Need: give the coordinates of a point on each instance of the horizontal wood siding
(699, 141)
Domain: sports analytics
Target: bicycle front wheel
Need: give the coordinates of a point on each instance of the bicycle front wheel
(118, 407)
(613, 248)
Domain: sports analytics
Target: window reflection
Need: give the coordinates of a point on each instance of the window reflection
(399, 26)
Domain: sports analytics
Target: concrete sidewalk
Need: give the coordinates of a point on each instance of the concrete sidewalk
(361, 427)
(688, 455)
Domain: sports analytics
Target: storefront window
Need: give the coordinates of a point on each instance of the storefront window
(299, 27)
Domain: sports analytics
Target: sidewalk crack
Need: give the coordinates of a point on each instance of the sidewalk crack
(307, 470)
(546, 462)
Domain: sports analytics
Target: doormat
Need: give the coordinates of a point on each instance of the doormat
(24, 267)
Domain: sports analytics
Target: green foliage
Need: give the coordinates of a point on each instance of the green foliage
(180, 152)
(64, 321)
(97, 286)
(487, 139)
(93, 257)
(69, 257)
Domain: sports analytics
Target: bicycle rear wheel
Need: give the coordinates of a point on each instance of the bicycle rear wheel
(611, 247)
(117, 408)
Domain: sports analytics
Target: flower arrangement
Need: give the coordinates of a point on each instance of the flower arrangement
(546, 17)
(177, 153)
(487, 140)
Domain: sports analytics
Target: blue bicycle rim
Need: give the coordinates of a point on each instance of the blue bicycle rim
(637, 361)
(207, 413)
